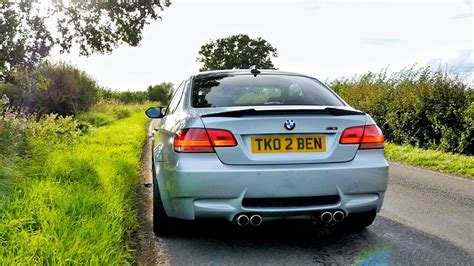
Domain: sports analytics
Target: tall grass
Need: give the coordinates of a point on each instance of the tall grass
(75, 203)
(458, 164)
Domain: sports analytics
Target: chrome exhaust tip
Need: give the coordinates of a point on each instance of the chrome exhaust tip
(338, 216)
(256, 220)
(242, 220)
(326, 217)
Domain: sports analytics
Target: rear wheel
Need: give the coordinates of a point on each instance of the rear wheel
(162, 224)
(359, 221)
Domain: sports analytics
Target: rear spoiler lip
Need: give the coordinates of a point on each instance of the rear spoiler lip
(253, 112)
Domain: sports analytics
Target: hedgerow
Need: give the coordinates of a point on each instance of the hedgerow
(421, 107)
(63, 89)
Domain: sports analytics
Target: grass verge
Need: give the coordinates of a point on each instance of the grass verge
(457, 164)
(77, 206)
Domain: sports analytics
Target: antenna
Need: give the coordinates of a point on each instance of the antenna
(254, 70)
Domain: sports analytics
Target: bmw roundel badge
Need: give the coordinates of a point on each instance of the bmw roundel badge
(290, 124)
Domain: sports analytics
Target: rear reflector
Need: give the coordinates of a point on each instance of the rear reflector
(369, 137)
(200, 140)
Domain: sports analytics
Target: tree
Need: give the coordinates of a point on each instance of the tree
(96, 26)
(160, 93)
(237, 51)
(52, 88)
(24, 39)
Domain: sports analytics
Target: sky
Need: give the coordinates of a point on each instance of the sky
(324, 39)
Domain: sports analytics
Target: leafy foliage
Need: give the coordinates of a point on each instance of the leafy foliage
(52, 88)
(160, 93)
(420, 107)
(126, 97)
(65, 90)
(237, 51)
(52, 130)
(24, 38)
(96, 26)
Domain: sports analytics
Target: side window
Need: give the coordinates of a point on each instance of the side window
(175, 99)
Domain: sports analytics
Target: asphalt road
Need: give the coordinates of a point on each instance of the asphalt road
(427, 218)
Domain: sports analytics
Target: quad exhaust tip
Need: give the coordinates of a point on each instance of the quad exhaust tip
(242, 220)
(326, 217)
(338, 216)
(256, 220)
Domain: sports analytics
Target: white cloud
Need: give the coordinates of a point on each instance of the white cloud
(462, 62)
(463, 15)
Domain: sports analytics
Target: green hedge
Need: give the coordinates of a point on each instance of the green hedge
(422, 107)
(61, 88)
(51, 88)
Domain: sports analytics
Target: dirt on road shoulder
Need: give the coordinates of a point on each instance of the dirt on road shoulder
(149, 250)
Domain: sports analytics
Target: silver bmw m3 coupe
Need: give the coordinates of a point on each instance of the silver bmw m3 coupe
(249, 146)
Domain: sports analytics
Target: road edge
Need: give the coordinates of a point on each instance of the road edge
(149, 249)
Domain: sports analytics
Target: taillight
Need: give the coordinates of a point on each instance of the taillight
(200, 140)
(192, 140)
(221, 138)
(352, 135)
(372, 139)
(369, 137)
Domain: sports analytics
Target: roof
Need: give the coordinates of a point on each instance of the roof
(247, 71)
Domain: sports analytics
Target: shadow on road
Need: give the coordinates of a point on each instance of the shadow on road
(281, 229)
(299, 242)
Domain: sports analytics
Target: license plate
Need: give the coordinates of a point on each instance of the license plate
(276, 144)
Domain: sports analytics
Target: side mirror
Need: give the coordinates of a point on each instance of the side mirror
(154, 112)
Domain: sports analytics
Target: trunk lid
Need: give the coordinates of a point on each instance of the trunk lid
(318, 123)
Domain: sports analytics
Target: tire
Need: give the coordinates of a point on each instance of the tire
(359, 221)
(162, 224)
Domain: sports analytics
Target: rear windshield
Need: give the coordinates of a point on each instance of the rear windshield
(246, 90)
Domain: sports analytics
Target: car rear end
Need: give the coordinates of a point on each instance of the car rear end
(257, 147)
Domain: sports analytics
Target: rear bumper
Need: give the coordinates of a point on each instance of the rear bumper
(200, 186)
